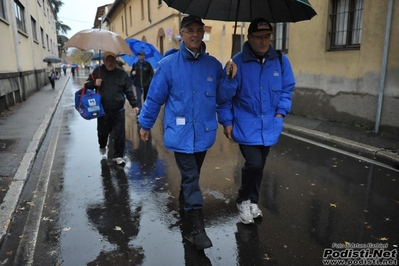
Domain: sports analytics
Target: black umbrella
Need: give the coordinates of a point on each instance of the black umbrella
(237, 10)
(52, 59)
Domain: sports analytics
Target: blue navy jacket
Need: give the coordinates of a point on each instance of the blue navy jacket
(250, 101)
(188, 87)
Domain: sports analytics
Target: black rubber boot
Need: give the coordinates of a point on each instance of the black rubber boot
(198, 236)
(181, 200)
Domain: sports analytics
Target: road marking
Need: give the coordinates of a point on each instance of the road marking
(26, 249)
(341, 151)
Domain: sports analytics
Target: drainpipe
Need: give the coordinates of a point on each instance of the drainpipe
(149, 12)
(384, 66)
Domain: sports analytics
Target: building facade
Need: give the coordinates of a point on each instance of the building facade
(28, 34)
(345, 59)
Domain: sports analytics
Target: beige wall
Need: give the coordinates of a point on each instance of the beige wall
(19, 50)
(22, 70)
(333, 85)
(344, 85)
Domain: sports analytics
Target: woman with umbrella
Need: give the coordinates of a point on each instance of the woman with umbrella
(50, 70)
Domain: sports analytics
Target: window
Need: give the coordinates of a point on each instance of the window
(142, 9)
(3, 13)
(123, 28)
(281, 36)
(48, 45)
(159, 2)
(130, 16)
(34, 30)
(346, 24)
(20, 16)
(42, 35)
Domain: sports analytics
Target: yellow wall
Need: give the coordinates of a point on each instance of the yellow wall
(334, 85)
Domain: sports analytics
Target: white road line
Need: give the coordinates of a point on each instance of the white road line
(26, 248)
(341, 151)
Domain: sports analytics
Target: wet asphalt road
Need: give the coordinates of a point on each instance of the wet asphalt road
(96, 213)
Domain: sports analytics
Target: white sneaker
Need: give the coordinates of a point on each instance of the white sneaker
(119, 161)
(245, 215)
(256, 212)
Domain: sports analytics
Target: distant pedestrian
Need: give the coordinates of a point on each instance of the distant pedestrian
(73, 67)
(77, 70)
(64, 68)
(141, 74)
(50, 70)
(255, 94)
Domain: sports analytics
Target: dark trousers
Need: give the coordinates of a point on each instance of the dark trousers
(251, 172)
(52, 82)
(190, 168)
(112, 122)
(141, 92)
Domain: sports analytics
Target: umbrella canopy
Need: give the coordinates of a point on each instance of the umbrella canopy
(52, 59)
(237, 10)
(240, 10)
(152, 55)
(98, 56)
(99, 39)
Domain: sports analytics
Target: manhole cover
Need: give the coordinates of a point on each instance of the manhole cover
(6, 144)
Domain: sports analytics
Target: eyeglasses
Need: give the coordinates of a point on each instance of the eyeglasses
(192, 31)
(261, 37)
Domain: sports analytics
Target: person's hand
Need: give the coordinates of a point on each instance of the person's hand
(231, 69)
(133, 72)
(279, 115)
(136, 110)
(98, 82)
(227, 132)
(144, 134)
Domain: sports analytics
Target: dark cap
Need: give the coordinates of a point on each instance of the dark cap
(259, 24)
(190, 19)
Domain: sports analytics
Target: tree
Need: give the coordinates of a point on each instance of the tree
(61, 28)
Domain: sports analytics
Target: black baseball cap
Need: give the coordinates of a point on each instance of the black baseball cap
(190, 19)
(260, 24)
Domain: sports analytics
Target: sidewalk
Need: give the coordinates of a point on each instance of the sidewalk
(24, 128)
(22, 131)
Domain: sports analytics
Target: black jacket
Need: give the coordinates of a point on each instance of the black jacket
(144, 74)
(115, 85)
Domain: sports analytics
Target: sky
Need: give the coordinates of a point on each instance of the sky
(79, 14)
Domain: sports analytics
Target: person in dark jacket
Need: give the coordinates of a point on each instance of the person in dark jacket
(186, 82)
(141, 74)
(255, 94)
(113, 84)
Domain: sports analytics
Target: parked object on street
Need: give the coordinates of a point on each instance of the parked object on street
(255, 96)
(186, 82)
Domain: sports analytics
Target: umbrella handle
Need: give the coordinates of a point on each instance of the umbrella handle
(231, 70)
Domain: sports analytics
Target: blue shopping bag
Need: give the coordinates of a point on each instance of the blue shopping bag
(88, 103)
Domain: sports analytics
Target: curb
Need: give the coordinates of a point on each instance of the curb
(373, 152)
(11, 198)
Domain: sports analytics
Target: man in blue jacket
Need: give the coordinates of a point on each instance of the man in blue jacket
(186, 82)
(255, 96)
